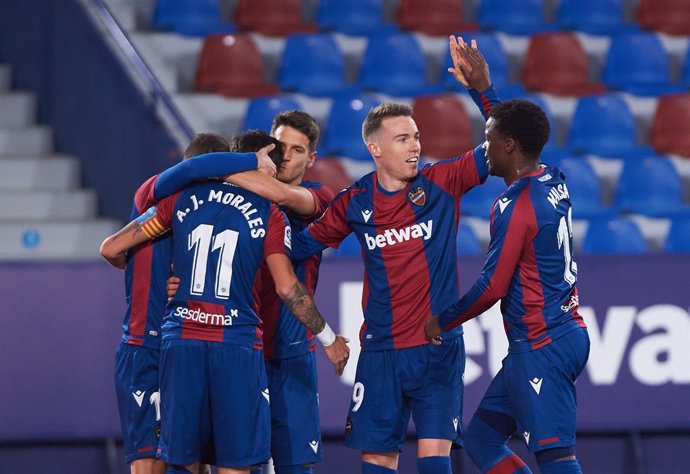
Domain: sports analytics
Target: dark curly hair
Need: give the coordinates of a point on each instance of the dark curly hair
(525, 123)
(300, 121)
(255, 140)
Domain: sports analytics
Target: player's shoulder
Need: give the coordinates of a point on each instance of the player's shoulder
(362, 185)
(144, 195)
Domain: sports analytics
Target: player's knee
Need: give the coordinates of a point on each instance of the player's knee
(558, 461)
(434, 465)
(488, 430)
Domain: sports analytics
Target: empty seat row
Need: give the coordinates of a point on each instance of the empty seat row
(434, 17)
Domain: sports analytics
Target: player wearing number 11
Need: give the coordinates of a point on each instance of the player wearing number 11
(530, 268)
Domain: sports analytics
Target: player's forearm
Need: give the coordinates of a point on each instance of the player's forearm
(301, 304)
(481, 297)
(295, 198)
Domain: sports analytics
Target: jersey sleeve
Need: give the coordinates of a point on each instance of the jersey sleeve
(513, 225)
(278, 234)
(485, 100)
(458, 175)
(157, 219)
(328, 231)
(322, 198)
(143, 196)
(208, 165)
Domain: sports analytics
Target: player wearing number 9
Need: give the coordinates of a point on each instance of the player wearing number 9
(530, 268)
(213, 380)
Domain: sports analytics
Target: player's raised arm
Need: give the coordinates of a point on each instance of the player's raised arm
(301, 304)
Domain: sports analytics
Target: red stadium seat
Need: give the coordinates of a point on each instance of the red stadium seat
(556, 63)
(444, 125)
(330, 172)
(433, 17)
(272, 17)
(669, 132)
(667, 16)
(231, 65)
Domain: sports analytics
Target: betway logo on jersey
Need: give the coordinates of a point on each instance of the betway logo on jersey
(422, 230)
(201, 317)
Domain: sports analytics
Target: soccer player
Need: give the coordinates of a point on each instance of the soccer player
(213, 381)
(406, 222)
(530, 268)
(147, 268)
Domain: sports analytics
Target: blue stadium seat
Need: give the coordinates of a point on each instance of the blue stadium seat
(516, 17)
(394, 64)
(312, 64)
(637, 63)
(353, 17)
(598, 17)
(343, 134)
(604, 125)
(685, 79)
(468, 243)
(678, 238)
(584, 188)
(479, 200)
(190, 17)
(495, 56)
(616, 237)
(349, 247)
(650, 186)
(260, 111)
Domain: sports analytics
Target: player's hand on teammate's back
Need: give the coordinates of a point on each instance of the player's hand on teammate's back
(432, 331)
(338, 353)
(469, 66)
(171, 286)
(264, 162)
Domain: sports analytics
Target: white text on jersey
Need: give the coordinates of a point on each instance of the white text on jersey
(395, 236)
(557, 194)
(199, 316)
(230, 199)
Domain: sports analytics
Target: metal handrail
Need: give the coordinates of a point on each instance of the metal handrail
(156, 90)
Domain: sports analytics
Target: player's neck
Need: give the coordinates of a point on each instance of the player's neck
(389, 183)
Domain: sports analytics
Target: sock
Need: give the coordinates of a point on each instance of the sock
(488, 449)
(296, 469)
(368, 468)
(561, 467)
(434, 465)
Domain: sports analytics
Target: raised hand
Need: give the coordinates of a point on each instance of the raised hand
(338, 353)
(264, 162)
(171, 286)
(469, 66)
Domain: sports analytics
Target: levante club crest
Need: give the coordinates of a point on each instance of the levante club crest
(417, 196)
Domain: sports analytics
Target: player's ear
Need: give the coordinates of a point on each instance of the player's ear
(510, 145)
(374, 149)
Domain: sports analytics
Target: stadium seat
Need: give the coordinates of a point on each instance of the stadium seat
(433, 17)
(616, 237)
(515, 17)
(650, 186)
(467, 242)
(444, 124)
(329, 172)
(349, 247)
(636, 63)
(312, 64)
(260, 111)
(272, 17)
(343, 134)
(666, 16)
(603, 125)
(190, 17)
(231, 65)
(584, 188)
(556, 63)
(670, 131)
(479, 200)
(598, 17)
(496, 58)
(678, 238)
(353, 17)
(394, 64)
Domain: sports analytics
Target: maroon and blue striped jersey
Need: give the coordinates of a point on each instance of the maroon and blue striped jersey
(529, 265)
(284, 335)
(148, 265)
(408, 240)
(221, 235)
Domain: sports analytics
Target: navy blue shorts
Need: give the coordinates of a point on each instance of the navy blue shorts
(537, 389)
(295, 428)
(138, 399)
(425, 381)
(216, 395)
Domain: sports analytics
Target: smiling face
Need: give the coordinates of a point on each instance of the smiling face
(395, 147)
(296, 155)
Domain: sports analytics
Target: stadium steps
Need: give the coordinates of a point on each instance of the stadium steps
(44, 212)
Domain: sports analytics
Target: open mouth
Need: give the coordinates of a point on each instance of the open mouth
(413, 160)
